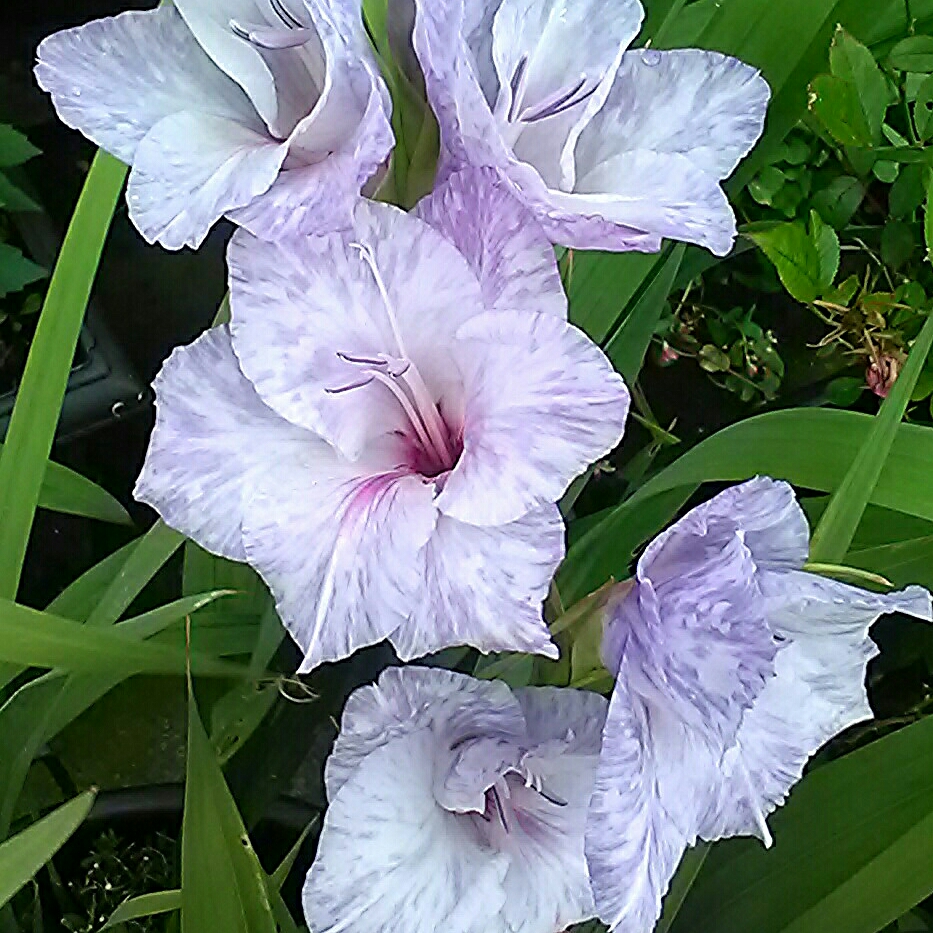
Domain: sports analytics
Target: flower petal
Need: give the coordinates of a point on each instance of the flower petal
(703, 105)
(211, 440)
(500, 240)
(407, 699)
(542, 403)
(339, 548)
(191, 169)
(574, 718)
(296, 305)
(818, 691)
(652, 779)
(563, 46)
(485, 586)
(114, 79)
(390, 860)
(697, 622)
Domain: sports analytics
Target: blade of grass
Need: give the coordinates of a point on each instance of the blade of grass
(23, 855)
(38, 402)
(145, 905)
(837, 526)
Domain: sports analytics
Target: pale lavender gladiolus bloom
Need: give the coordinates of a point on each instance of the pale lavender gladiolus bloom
(733, 666)
(385, 429)
(269, 112)
(611, 149)
(456, 804)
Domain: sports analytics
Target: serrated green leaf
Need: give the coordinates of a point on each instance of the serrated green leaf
(14, 198)
(766, 184)
(923, 110)
(914, 53)
(23, 855)
(827, 249)
(795, 256)
(835, 103)
(16, 271)
(853, 62)
(839, 200)
(15, 148)
(223, 886)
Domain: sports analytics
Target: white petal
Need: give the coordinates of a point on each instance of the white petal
(542, 403)
(818, 691)
(659, 193)
(407, 699)
(191, 169)
(116, 78)
(703, 105)
(564, 43)
(390, 860)
(500, 240)
(295, 306)
(485, 586)
(212, 439)
(339, 550)
(653, 777)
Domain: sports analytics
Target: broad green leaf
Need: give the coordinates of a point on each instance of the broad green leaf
(145, 905)
(795, 256)
(901, 562)
(23, 855)
(16, 271)
(40, 639)
(915, 53)
(15, 148)
(38, 403)
(923, 113)
(853, 849)
(853, 62)
(908, 192)
(629, 344)
(897, 244)
(812, 448)
(601, 286)
(223, 886)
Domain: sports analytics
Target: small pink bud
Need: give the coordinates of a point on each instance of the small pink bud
(668, 354)
(882, 374)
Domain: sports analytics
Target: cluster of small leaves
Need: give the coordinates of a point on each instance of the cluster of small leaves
(843, 200)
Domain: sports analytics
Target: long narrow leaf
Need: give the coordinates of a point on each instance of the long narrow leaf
(146, 905)
(24, 854)
(38, 402)
(836, 528)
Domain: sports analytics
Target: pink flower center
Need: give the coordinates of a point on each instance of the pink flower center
(433, 448)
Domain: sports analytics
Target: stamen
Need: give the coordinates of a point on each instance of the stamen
(551, 799)
(238, 30)
(409, 410)
(363, 360)
(499, 808)
(337, 390)
(367, 255)
(280, 10)
(517, 86)
(559, 102)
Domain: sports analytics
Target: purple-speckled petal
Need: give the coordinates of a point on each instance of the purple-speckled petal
(190, 170)
(480, 808)
(296, 305)
(407, 699)
(390, 860)
(485, 586)
(340, 552)
(818, 691)
(500, 240)
(542, 403)
(114, 79)
(211, 441)
(653, 776)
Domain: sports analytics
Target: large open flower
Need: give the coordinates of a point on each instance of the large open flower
(611, 149)
(385, 428)
(456, 804)
(733, 666)
(270, 112)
